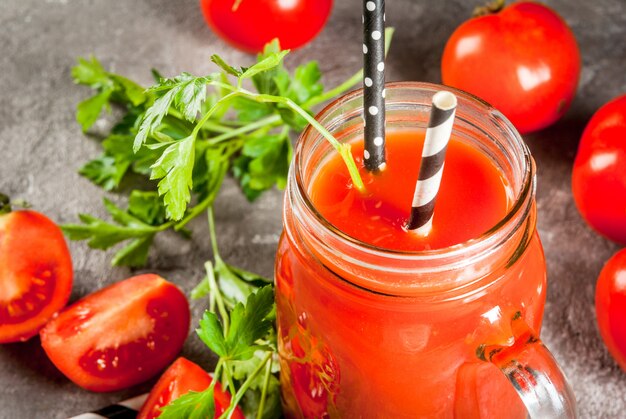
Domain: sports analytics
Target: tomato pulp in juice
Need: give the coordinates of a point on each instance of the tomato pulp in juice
(349, 352)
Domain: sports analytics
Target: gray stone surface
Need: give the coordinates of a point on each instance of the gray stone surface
(42, 147)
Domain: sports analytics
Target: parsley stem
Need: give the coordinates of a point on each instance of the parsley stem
(246, 128)
(216, 377)
(215, 291)
(229, 379)
(217, 372)
(212, 234)
(215, 127)
(244, 387)
(343, 149)
(266, 382)
(195, 211)
(211, 111)
(217, 294)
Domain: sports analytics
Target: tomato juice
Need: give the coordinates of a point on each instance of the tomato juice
(374, 321)
(473, 196)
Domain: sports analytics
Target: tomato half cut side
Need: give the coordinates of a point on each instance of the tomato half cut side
(180, 378)
(119, 336)
(35, 274)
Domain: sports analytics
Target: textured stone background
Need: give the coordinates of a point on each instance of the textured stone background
(42, 147)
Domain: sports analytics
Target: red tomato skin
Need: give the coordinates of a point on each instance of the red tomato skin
(119, 336)
(611, 306)
(523, 60)
(180, 378)
(33, 254)
(254, 23)
(599, 174)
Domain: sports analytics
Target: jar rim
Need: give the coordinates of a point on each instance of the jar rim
(521, 203)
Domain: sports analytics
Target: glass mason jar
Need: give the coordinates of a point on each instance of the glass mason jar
(371, 332)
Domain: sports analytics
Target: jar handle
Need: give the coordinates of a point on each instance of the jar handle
(537, 378)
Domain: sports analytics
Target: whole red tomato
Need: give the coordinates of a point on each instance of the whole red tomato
(523, 60)
(119, 336)
(611, 306)
(180, 378)
(35, 274)
(599, 175)
(250, 24)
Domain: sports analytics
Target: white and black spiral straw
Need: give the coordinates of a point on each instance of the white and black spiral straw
(374, 83)
(127, 409)
(432, 163)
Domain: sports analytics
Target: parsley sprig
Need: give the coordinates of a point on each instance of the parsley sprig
(239, 328)
(183, 135)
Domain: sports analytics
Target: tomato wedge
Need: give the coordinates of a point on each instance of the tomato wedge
(119, 336)
(35, 274)
(180, 378)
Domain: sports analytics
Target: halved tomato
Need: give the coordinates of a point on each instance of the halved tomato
(119, 336)
(35, 274)
(180, 378)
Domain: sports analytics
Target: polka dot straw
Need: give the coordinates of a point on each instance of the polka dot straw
(127, 409)
(374, 83)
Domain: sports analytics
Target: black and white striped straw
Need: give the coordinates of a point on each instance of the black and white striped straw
(374, 83)
(433, 159)
(127, 409)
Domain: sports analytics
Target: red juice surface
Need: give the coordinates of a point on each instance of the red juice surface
(472, 197)
(348, 352)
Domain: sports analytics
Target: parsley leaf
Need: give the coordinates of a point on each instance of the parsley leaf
(131, 90)
(263, 163)
(265, 82)
(120, 148)
(105, 171)
(219, 61)
(103, 235)
(304, 85)
(109, 169)
(88, 111)
(267, 62)
(89, 72)
(248, 323)
(175, 168)
(110, 87)
(135, 253)
(192, 405)
(212, 164)
(235, 284)
(212, 334)
(185, 92)
(153, 117)
(249, 110)
(147, 207)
